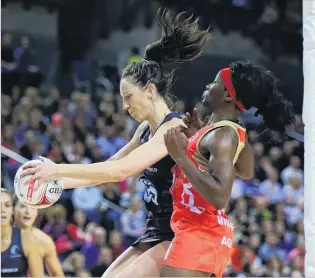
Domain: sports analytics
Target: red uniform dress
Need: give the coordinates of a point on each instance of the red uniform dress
(203, 234)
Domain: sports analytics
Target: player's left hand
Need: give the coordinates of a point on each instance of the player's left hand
(42, 172)
(176, 142)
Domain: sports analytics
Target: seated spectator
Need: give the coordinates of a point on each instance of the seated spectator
(83, 274)
(91, 250)
(270, 248)
(88, 200)
(274, 267)
(76, 229)
(73, 264)
(132, 222)
(293, 192)
(56, 228)
(299, 252)
(110, 192)
(116, 243)
(9, 74)
(131, 192)
(271, 188)
(293, 168)
(104, 261)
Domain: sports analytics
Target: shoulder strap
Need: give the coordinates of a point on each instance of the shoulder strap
(240, 131)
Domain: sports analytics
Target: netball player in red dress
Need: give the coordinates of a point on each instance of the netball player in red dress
(204, 171)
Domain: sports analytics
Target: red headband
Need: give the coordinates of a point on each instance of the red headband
(226, 77)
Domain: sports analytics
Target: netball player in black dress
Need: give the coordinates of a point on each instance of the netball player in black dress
(20, 250)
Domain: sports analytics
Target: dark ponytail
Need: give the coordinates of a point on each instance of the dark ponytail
(256, 87)
(181, 41)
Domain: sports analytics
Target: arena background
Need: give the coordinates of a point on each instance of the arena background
(61, 100)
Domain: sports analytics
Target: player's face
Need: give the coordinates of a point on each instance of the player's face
(214, 94)
(24, 216)
(136, 101)
(6, 208)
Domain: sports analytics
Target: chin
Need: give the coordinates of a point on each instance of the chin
(137, 119)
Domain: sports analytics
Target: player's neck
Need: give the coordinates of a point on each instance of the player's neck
(6, 231)
(224, 114)
(158, 114)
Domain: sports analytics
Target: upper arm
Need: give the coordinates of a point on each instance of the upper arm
(32, 250)
(222, 147)
(149, 153)
(244, 166)
(51, 259)
(132, 144)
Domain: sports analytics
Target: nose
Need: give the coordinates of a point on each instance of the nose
(2, 207)
(27, 210)
(126, 106)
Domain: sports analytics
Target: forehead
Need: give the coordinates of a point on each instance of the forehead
(5, 197)
(126, 86)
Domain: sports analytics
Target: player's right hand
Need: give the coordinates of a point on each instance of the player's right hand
(194, 123)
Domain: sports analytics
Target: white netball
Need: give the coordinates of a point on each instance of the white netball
(37, 195)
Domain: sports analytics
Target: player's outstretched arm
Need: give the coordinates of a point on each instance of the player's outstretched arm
(117, 170)
(127, 149)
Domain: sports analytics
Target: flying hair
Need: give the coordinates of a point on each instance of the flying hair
(181, 41)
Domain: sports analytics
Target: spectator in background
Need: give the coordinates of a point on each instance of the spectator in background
(294, 199)
(271, 188)
(9, 75)
(109, 141)
(270, 248)
(129, 194)
(132, 222)
(104, 261)
(116, 243)
(274, 267)
(299, 252)
(76, 229)
(91, 250)
(56, 228)
(83, 274)
(74, 264)
(293, 168)
(88, 200)
(293, 192)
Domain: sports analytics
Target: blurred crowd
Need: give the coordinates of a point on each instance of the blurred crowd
(92, 226)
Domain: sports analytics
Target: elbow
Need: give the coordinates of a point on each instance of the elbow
(219, 199)
(248, 175)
